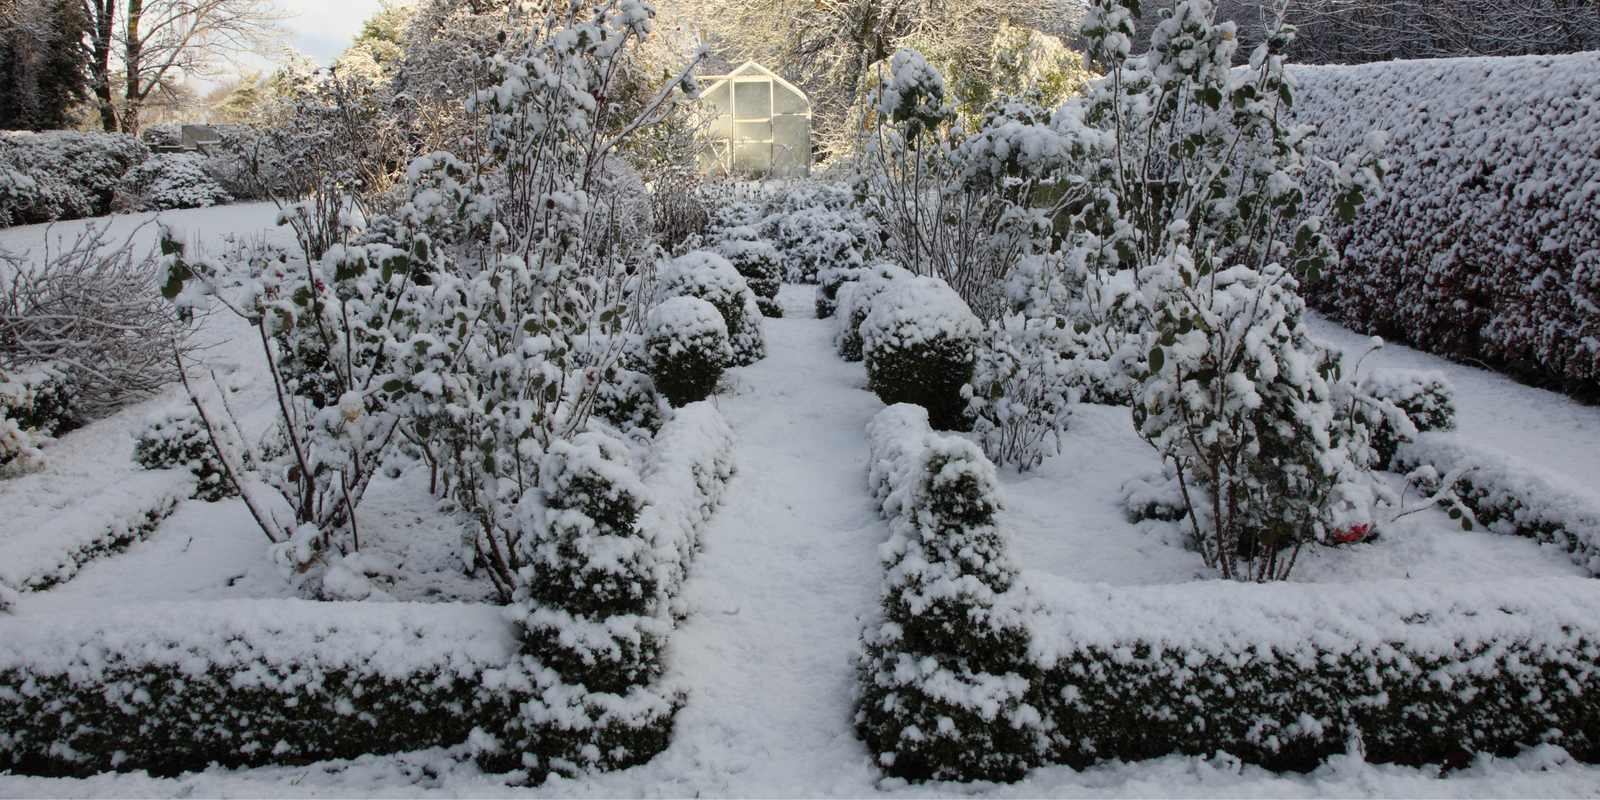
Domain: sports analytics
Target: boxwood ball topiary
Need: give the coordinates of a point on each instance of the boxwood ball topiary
(712, 278)
(688, 348)
(920, 345)
(762, 267)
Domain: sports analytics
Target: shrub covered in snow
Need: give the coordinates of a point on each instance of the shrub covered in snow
(176, 438)
(943, 668)
(713, 279)
(1286, 675)
(21, 435)
(1426, 397)
(1021, 392)
(959, 204)
(1484, 243)
(828, 283)
(246, 682)
(171, 180)
(688, 348)
(592, 645)
(816, 228)
(761, 266)
(277, 681)
(83, 319)
(1240, 410)
(74, 174)
(919, 342)
(855, 303)
(629, 401)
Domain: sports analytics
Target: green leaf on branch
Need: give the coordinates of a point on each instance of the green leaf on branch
(1158, 359)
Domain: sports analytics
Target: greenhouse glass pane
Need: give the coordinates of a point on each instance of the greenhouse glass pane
(721, 128)
(752, 99)
(789, 162)
(788, 101)
(719, 98)
(760, 131)
(752, 157)
(792, 129)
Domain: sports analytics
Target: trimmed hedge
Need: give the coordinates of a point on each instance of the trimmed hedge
(1284, 675)
(1512, 496)
(1485, 244)
(123, 513)
(969, 674)
(175, 687)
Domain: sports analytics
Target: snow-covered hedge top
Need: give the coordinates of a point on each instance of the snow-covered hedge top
(1514, 496)
(896, 437)
(683, 319)
(705, 275)
(917, 311)
(1488, 219)
(275, 643)
(690, 459)
(50, 551)
(744, 250)
(1303, 622)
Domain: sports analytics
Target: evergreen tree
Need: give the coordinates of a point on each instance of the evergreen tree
(42, 63)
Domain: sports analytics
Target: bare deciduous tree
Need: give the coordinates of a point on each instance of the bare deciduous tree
(150, 45)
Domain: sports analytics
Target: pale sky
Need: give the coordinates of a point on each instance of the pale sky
(325, 27)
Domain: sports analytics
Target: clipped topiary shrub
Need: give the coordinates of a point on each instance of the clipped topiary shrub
(944, 668)
(176, 438)
(591, 642)
(761, 266)
(1427, 398)
(713, 279)
(629, 401)
(687, 346)
(828, 283)
(920, 345)
(855, 302)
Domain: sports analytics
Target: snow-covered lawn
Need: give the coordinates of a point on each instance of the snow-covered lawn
(770, 614)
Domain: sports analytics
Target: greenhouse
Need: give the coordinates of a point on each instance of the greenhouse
(760, 125)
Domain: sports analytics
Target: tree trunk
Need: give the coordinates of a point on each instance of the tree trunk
(132, 61)
(102, 15)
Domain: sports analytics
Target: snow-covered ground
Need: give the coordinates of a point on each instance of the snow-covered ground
(789, 564)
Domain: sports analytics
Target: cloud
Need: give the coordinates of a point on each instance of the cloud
(325, 27)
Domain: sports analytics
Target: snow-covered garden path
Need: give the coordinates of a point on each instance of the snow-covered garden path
(789, 563)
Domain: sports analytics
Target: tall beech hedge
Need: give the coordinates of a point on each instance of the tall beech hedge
(1486, 242)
